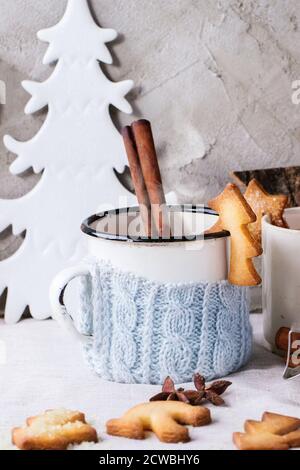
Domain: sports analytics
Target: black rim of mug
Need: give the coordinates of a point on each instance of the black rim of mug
(88, 230)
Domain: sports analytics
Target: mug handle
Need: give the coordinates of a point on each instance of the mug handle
(57, 290)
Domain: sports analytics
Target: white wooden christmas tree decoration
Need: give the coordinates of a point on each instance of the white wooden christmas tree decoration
(77, 148)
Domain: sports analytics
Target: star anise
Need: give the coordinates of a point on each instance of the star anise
(169, 392)
(194, 397)
(211, 393)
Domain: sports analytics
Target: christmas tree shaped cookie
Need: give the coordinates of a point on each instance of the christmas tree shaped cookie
(235, 215)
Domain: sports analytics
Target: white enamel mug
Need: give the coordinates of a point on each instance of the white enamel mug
(157, 307)
(190, 255)
(281, 276)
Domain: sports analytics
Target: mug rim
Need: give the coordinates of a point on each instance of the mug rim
(88, 230)
(266, 220)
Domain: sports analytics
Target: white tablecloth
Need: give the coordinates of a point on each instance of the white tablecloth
(44, 368)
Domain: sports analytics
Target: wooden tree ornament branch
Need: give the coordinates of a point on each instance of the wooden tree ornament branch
(235, 215)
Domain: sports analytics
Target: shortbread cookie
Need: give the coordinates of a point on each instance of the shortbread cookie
(53, 417)
(273, 423)
(293, 438)
(273, 432)
(263, 204)
(280, 424)
(54, 430)
(275, 181)
(259, 441)
(235, 215)
(162, 418)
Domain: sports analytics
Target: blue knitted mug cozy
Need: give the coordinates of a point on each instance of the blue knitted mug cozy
(143, 331)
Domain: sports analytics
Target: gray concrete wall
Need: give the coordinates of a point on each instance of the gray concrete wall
(214, 77)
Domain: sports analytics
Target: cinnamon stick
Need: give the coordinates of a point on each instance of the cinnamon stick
(148, 159)
(138, 178)
(282, 339)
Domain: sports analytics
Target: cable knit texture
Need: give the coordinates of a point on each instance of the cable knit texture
(144, 331)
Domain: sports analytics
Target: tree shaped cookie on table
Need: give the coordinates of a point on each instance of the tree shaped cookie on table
(165, 418)
(263, 203)
(273, 432)
(235, 215)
